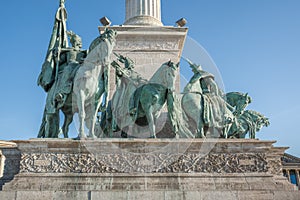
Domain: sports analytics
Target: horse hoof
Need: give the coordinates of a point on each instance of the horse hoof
(153, 136)
(79, 138)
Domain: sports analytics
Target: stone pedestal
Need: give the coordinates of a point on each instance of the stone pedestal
(147, 169)
(149, 47)
(8, 168)
(145, 40)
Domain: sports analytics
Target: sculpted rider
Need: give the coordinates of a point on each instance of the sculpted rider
(58, 72)
(73, 58)
(127, 81)
(215, 113)
(69, 62)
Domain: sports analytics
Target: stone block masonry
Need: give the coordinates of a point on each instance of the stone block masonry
(146, 168)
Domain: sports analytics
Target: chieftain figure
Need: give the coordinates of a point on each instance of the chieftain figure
(58, 72)
(203, 102)
(211, 112)
(122, 103)
(247, 121)
(237, 102)
(73, 58)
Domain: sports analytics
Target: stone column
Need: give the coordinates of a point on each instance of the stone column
(143, 13)
(297, 177)
(288, 174)
(2, 159)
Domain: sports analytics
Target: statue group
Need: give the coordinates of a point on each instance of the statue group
(78, 81)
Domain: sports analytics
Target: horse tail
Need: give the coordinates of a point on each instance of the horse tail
(177, 117)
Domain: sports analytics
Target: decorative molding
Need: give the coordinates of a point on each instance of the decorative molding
(168, 45)
(5, 144)
(288, 158)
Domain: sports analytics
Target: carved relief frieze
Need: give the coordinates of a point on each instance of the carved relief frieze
(275, 166)
(139, 45)
(142, 163)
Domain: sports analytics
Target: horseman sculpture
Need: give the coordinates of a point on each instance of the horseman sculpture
(77, 80)
(66, 68)
(58, 72)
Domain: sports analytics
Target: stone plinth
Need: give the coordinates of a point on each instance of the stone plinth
(7, 156)
(148, 169)
(149, 48)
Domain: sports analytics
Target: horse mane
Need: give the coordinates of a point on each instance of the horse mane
(234, 94)
(94, 43)
(254, 114)
(255, 117)
(254, 120)
(158, 76)
(107, 35)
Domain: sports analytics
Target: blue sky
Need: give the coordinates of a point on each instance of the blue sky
(254, 43)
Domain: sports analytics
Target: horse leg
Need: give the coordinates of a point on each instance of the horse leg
(200, 131)
(95, 106)
(92, 123)
(200, 127)
(227, 128)
(68, 120)
(81, 114)
(52, 125)
(109, 121)
(107, 124)
(88, 118)
(93, 117)
(150, 120)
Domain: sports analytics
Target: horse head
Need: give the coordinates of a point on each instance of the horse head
(170, 75)
(258, 120)
(108, 34)
(166, 75)
(264, 121)
(173, 65)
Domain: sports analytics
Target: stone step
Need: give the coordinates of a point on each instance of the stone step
(141, 182)
(157, 195)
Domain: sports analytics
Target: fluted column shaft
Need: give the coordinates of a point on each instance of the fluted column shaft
(143, 12)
